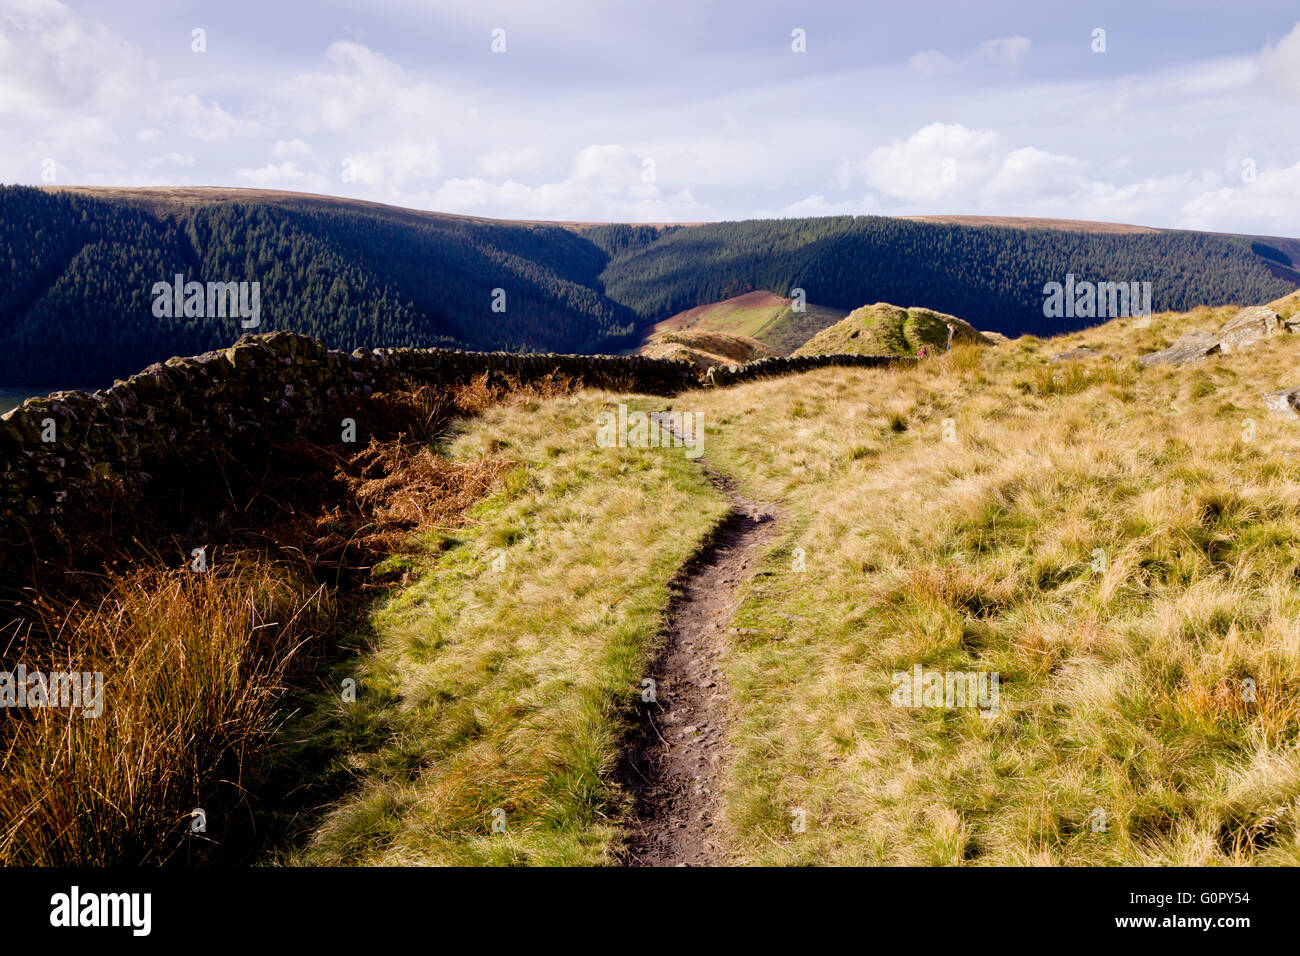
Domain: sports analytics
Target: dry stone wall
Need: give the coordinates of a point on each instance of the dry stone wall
(58, 453)
(734, 374)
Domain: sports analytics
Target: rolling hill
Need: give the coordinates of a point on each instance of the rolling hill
(78, 266)
(991, 275)
(1111, 546)
(1101, 536)
(77, 273)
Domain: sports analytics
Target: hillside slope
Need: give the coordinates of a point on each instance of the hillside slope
(78, 266)
(1287, 306)
(1117, 544)
(993, 276)
(1106, 553)
(77, 273)
(771, 319)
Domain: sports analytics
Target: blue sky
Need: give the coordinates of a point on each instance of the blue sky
(674, 111)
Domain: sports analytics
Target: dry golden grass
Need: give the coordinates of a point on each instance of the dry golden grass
(192, 667)
(1121, 544)
(1287, 306)
(194, 663)
(704, 348)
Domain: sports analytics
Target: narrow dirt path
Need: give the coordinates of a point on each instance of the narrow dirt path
(675, 758)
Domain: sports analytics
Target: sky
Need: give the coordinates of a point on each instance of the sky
(1171, 113)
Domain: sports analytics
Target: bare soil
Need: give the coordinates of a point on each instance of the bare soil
(675, 758)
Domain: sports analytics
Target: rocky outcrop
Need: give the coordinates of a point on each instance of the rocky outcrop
(1191, 347)
(1242, 332)
(884, 329)
(1248, 327)
(1284, 401)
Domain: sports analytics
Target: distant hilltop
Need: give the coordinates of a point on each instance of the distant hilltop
(77, 266)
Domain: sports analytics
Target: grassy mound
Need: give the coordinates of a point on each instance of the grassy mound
(884, 329)
(1288, 306)
(703, 349)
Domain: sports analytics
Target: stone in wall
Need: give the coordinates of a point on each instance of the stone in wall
(174, 416)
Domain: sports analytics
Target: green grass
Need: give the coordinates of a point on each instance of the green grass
(500, 678)
(739, 321)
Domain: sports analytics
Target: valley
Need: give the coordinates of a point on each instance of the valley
(78, 266)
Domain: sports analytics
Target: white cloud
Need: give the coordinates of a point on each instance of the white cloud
(202, 120)
(284, 175)
(1005, 50)
(395, 169)
(615, 171)
(366, 91)
(1266, 206)
(816, 205)
(1279, 64)
(512, 161)
(52, 61)
(929, 63)
(500, 136)
(291, 149)
(937, 161)
(170, 159)
(606, 182)
(986, 177)
(1029, 173)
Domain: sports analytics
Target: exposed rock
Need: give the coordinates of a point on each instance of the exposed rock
(1285, 401)
(1242, 332)
(1188, 348)
(1074, 355)
(1248, 327)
